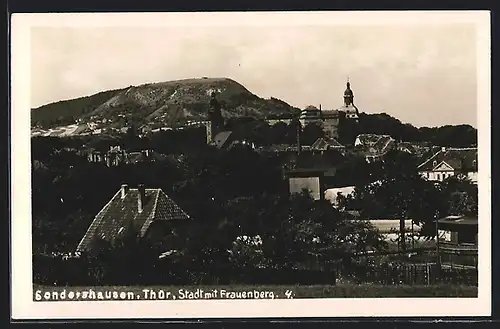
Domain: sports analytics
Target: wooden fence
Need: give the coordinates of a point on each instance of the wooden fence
(414, 267)
(457, 257)
(408, 274)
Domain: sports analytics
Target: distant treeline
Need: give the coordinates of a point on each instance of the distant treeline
(448, 135)
(67, 111)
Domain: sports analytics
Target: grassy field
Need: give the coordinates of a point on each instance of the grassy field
(338, 291)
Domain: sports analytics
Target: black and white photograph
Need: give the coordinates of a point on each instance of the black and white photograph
(275, 164)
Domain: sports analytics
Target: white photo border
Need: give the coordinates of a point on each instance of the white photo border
(23, 306)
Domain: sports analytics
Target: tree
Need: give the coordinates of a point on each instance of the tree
(384, 124)
(300, 232)
(279, 134)
(461, 194)
(400, 192)
(311, 133)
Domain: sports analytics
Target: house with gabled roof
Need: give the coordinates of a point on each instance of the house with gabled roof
(374, 146)
(324, 144)
(420, 150)
(148, 211)
(449, 162)
(368, 140)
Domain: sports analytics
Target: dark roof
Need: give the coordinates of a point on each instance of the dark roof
(311, 108)
(457, 158)
(221, 138)
(326, 114)
(118, 214)
(312, 114)
(326, 143)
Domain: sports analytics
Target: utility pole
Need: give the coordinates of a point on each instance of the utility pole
(412, 234)
(403, 233)
(402, 226)
(438, 256)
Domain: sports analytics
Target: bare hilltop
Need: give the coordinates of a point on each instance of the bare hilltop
(157, 105)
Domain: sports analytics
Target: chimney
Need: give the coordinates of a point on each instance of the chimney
(141, 197)
(124, 190)
(443, 149)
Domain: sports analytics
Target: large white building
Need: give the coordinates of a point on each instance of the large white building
(329, 119)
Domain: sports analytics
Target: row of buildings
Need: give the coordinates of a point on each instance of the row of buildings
(156, 215)
(441, 164)
(152, 206)
(117, 156)
(329, 120)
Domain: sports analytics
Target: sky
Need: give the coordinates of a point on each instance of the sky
(423, 75)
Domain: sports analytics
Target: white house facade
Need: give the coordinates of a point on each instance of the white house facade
(450, 162)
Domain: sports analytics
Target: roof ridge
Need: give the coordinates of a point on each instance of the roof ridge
(155, 206)
(174, 203)
(146, 189)
(150, 219)
(151, 216)
(432, 157)
(95, 219)
(443, 161)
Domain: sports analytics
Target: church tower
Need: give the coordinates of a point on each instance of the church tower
(348, 95)
(215, 119)
(349, 119)
(350, 110)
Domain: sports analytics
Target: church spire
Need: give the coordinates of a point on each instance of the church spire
(348, 94)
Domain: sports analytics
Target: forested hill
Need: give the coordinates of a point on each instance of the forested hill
(160, 104)
(448, 135)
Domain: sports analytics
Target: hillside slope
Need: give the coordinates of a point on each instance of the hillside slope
(159, 104)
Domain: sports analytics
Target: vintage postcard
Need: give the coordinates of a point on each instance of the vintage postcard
(223, 165)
